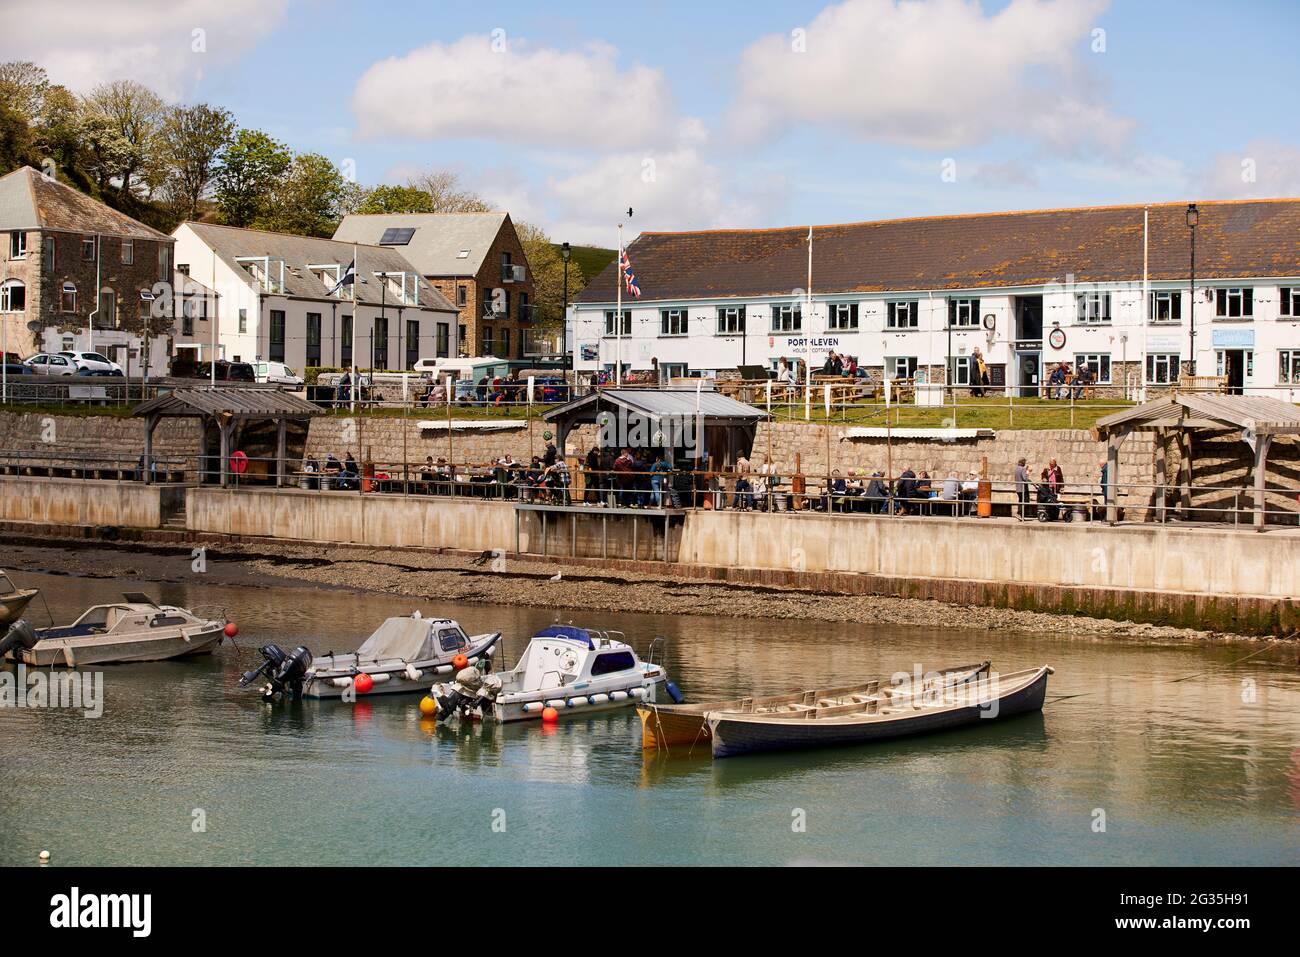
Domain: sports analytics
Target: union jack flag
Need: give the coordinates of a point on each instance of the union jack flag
(629, 277)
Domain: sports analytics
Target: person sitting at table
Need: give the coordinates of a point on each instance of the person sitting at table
(905, 491)
(426, 470)
(348, 477)
(924, 487)
(332, 469)
(836, 492)
(971, 487)
(854, 491)
(877, 494)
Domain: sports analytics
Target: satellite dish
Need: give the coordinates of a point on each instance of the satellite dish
(990, 322)
(35, 326)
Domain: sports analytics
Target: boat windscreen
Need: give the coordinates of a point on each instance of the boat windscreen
(404, 638)
(566, 631)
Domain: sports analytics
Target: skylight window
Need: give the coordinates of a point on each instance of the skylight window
(463, 254)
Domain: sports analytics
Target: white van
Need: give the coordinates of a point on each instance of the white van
(277, 373)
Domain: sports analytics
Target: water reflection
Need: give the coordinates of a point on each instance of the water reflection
(1192, 753)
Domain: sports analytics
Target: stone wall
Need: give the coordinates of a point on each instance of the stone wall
(106, 436)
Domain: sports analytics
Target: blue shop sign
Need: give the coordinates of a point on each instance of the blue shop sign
(1234, 338)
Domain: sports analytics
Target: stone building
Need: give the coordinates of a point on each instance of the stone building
(77, 274)
(474, 259)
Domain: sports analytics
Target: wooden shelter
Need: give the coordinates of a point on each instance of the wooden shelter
(1258, 419)
(711, 424)
(227, 409)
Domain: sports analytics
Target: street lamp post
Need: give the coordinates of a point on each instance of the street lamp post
(565, 253)
(1192, 218)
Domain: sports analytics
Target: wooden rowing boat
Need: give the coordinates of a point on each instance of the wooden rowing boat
(855, 721)
(668, 726)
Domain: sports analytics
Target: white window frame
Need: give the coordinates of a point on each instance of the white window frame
(128, 252)
(1289, 302)
(731, 320)
(1220, 363)
(909, 307)
(1170, 363)
(909, 364)
(674, 322)
(68, 287)
(1288, 366)
(787, 318)
(1094, 365)
(963, 313)
(674, 370)
(611, 330)
(842, 316)
(1242, 296)
(18, 244)
(6, 295)
(1092, 308)
(89, 243)
(1173, 300)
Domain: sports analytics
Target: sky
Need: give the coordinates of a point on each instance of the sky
(739, 113)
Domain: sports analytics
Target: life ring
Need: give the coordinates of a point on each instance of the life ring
(238, 462)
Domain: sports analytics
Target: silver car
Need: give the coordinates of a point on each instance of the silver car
(44, 363)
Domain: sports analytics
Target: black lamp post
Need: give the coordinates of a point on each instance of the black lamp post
(1192, 218)
(565, 253)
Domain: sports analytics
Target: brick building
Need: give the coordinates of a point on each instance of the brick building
(77, 274)
(474, 259)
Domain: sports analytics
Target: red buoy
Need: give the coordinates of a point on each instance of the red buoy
(460, 661)
(550, 716)
(363, 683)
(231, 629)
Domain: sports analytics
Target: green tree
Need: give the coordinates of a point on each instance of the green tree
(252, 164)
(60, 133)
(104, 151)
(547, 268)
(22, 87)
(194, 137)
(396, 199)
(137, 115)
(308, 199)
(15, 139)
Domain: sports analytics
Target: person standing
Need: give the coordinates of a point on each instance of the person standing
(1055, 477)
(1022, 487)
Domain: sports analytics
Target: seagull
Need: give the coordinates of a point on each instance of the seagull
(557, 576)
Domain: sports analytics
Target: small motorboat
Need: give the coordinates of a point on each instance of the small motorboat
(862, 718)
(135, 629)
(667, 726)
(401, 656)
(13, 600)
(576, 671)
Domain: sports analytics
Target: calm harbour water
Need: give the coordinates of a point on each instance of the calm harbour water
(1158, 737)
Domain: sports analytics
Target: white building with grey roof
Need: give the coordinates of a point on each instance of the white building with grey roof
(276, 300)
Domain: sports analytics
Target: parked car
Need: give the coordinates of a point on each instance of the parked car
(92, 363)
(14, 365)
(277, 373)
(45, 363)
(551, 389)
(228, 371)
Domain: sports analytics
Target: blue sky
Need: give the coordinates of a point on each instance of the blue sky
(721, 114)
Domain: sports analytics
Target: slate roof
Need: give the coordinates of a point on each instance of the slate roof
(239, 402)
(1246, 238)
(658, 403)
(436, 245)
(298, 252)
(28, 200)
(1261, 414)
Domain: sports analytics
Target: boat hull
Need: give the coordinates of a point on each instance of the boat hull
(397, 682)
(104, 650)
(14, 604)
(530, 707)
(735, 735)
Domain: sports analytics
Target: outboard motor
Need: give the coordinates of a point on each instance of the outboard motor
(20, 637)
(284, 673)
(471, 691)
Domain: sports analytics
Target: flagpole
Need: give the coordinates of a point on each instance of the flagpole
(356, 321)
(618, 313)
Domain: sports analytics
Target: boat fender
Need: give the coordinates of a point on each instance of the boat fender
(443, 669)
(618, 695)
(555, 703)
(380, 678)
(533, 706)
(341, 682)
(637, 692)
(600, 699)
(577, 702)
(674, 692)
(413, 673)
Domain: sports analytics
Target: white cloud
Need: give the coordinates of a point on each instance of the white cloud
(934, 74)
(502, 88)
(1262, 169)
(84, 42)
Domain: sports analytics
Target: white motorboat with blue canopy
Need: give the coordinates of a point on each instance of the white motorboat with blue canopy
(576, 671)
(401, 656)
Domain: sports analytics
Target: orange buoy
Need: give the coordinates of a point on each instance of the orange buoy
(428, 707)
(363, 683)
(231, 629)
(550, 716)
(460, 661)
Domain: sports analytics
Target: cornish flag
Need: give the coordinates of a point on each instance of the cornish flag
(348, 278)
(629, 277)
